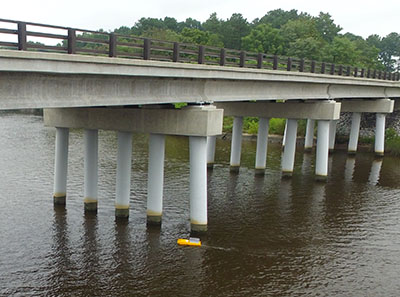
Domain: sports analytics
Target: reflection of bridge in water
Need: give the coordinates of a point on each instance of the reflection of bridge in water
(135, 96)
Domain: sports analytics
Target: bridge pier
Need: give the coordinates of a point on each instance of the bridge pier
(91, 170)
(354, 132)
(198, 183)
(321, 166)
(123, 182)
(155, 182)
(262, 144)
(332, 134)
(380, 134)
(211, 142)
(61, 166)
(290, 148)
(236, 145)
(309, 138)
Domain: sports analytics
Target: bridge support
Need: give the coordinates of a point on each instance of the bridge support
(284, 134)
(309, 139)
(211, 141)
(262, 144)
(380, 134)
(290, 148)
(91, 170)
(354, 132)
(332, 134)
(236, 145)
(123, 184)
(321, 167)
(198, 183)
(155, 182)
(61, 166)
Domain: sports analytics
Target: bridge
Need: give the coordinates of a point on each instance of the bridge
(129, 85)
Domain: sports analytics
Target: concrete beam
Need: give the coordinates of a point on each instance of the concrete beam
(325, 110)
(376, 106)
(188, 121)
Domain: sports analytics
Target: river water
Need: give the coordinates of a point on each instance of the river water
(267, 236)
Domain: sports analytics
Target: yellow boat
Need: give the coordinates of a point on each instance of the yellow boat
(192, 241)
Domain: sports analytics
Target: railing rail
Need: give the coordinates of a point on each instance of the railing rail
(81, 41)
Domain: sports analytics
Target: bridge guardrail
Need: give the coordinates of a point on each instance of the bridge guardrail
(81, 41)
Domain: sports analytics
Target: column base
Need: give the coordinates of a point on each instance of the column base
(308, 149)
(90, 206)
(321, 178)
(287, 174)
(59, 199)
(331, 151)
(234, 168)
(259, 171)
(210, 166)
(154, 220)
(198, 227)
(379, 154)
(122, 213)
(351, 152)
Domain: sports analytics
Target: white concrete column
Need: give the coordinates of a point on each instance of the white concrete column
(332, 134)
(91, 170)
(236, 145)
(198, 182)
(262, 144)
(155, 183)
(211, 141)
(309, 140)
(290, 147)
(123, 184)
(355, 130)
(61, 166)
(321, 166)
(284, 134)
(380, 134)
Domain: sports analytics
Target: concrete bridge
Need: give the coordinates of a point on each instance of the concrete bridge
(135, 96)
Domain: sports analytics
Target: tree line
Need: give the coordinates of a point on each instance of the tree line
(279, 32)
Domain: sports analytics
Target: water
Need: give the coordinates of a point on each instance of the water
(267, 236)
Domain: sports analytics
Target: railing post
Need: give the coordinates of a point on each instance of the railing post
(362, 72)
(355, 71)
(384, 75)
(348, 71)
(340, 71)
(332, 69)
(22, 36)
(380, 74)
(242, 58)
(112, 45)
(175, 55)
(259, 60)
(222, 57)
(146, 49)
(301, 67)
(389, 76)
(200, 58)
(374, 74)
(323, 65)
(275, 63)
(71, 41)
(289, 64)
(313, 66)
(368, 73)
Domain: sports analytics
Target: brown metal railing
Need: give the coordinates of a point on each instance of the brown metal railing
(80, 41)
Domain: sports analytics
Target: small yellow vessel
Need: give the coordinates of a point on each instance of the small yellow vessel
(192, 241)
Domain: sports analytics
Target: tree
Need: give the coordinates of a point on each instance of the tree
(264, 39)
(278, 17)
(197, 36)
(233, 30)
(341, 51)
(213, 24)
(145, 24)
(191, 24)
(309, 48)
(326, 27)
(390, 50)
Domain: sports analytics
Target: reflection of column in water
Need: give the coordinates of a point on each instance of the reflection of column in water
(375, 172)
(90, 253)
(284, 196)
(306, 165)
(330, 165)
(349, 169)
(318, 194)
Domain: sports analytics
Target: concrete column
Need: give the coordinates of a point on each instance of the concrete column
(321, 166)
(123, 184)
(284, 134)
(155, 182)
(332, 134)
(91, 170)
(198, 183)
(236, 145)
(309, 140)
(61, 166)
(262, 144)
(290, 148)
(355, 130)
(211, 141)
(380, 134)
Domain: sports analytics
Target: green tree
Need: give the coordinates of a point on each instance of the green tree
(390, 50)
(233, 30)
(278, 17)
(200, 37)
(309, 48)
(341, 51)
(326, 26)
(264, 39)
(213, 24)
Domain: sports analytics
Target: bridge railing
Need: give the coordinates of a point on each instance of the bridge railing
(25, 35)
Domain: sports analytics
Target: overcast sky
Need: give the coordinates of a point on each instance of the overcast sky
(361, 17)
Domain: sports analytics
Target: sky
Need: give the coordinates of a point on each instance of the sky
(362, 18)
